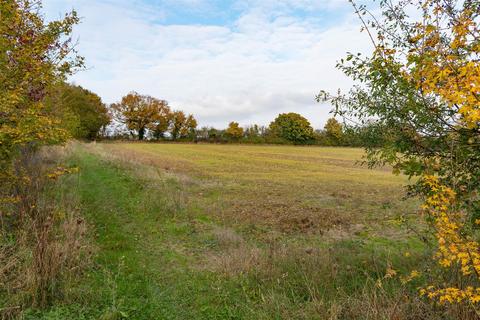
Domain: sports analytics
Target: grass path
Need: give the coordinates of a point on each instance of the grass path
(137, 275)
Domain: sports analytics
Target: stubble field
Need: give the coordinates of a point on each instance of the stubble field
(184, 231)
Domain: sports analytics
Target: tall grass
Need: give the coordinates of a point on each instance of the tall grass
(43, 242)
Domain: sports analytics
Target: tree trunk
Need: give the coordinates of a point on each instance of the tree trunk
(141, 134)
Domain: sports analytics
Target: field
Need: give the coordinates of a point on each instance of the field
(283, 189)
(184, 231)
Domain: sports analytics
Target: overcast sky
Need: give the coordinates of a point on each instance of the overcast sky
(221, 60)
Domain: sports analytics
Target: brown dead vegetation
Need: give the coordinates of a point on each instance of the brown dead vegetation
(43, 242)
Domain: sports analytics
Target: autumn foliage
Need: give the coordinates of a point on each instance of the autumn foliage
(138, 112)
(143, 114)
(234, 131)
(36, 250)
(422, 85)
(182, 126)
(34, 56)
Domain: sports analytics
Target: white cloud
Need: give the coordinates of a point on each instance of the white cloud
(249, 71)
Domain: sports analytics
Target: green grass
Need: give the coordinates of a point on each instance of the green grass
(137, 275)
(286, 188)
(188, 232)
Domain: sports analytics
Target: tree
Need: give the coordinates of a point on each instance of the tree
(161, 121)
(202, 133)
(421, 84)
(370, 134)
(214, 134)
(255, 134)
(82, 112)
(234, 131)
(178, 123)
(292, 127)
(252, 131)
(190, 125)
(139, 112)
(182, 126)
(34, 58)
(334, 130)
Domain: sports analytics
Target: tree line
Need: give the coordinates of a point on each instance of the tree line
(143, 117)
(292, 128)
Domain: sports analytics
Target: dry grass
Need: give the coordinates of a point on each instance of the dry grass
(284, 188)
(288, 268)
(233, 256)
(43, 242)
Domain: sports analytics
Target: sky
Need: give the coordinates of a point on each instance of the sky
(221, 60)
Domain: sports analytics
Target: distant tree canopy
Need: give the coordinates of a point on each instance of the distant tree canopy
(143, 114)
(161, 122)
(139, 112)
(372, 134)
(190, 127)
(334, 129)
(214, 135)
(234, 131)
(253, 131)
(81, 111)
(292, 127)
(182, 126)
(149, 118)
(334, 134)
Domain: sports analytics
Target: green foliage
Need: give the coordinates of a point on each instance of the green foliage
(214, 135)
(256, 134)
(253, 131)
(420, 85)
(81, 111)
(234, 134)
(292, 127)
(371, 135)
(418, 129)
